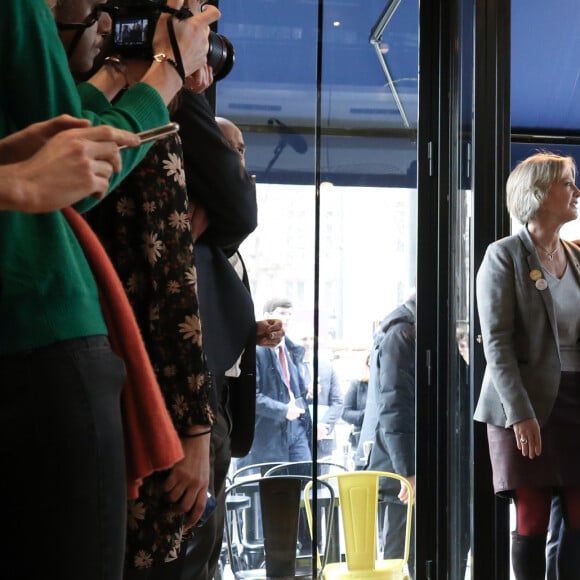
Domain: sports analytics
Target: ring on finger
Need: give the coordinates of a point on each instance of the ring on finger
(523, 441)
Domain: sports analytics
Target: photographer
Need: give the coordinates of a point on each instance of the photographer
(62, 427)
(159, 276)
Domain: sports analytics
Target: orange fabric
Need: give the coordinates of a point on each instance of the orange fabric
(151, 442)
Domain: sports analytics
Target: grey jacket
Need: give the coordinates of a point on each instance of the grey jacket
(520, 336)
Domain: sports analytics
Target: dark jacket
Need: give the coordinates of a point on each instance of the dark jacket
(355, 400)
(217, 181)
(389, 420)
(353, 411)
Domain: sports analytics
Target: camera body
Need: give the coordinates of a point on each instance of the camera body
(134, 23)
(134, 26)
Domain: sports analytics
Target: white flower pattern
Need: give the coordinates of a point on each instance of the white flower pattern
(174, 167)
(179, 221)
(153, 247)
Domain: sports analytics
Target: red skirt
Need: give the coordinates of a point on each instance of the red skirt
(559, 463)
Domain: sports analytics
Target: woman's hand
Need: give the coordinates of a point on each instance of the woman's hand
(191, 34)
(192, 38)
(73, 164)
(25, 143)
(528, 437)
(187, 483)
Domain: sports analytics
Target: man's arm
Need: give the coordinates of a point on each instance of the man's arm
(215, 176)
(350, 413)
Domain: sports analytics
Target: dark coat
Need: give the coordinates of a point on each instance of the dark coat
(353, 411)
(218, 182)
(355, 400)
(389, 420)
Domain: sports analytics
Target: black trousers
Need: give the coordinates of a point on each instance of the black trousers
(62, 452)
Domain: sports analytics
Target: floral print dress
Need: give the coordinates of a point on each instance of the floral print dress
(145, 227)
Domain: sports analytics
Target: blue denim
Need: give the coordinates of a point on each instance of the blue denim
(63, 462)
(298, 444)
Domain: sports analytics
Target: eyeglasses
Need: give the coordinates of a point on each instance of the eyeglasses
(89, 20)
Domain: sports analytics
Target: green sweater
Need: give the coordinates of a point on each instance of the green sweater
(47, 291)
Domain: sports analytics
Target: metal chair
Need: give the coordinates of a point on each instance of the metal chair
(358, 499)
(305, 468)
(253, 552)
(280, 500)
(253, 470)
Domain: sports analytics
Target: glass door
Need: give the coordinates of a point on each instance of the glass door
(461, 272)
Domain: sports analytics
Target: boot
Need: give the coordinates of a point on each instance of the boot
(529, 556)
(569, 555)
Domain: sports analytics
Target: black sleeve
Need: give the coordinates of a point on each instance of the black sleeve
(216, 179)
(350, 413)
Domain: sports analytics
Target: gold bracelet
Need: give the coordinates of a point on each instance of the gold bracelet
(162, 57)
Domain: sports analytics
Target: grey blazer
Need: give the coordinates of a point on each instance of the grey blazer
(520, 337)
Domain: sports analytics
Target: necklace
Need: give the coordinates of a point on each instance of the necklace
(551, 253)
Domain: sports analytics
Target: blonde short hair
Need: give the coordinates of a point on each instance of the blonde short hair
(531, 179)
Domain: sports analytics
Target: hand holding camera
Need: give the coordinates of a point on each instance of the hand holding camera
(183, 40)
(176, 38)
(140, 28)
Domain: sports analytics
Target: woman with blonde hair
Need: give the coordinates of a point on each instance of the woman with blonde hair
(528, 288)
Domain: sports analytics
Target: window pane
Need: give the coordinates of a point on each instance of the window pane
(340, 244)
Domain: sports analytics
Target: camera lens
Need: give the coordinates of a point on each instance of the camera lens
(220, 55)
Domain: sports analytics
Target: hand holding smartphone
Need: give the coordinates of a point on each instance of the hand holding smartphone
(154, 134)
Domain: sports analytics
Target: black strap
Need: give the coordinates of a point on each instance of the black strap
(175, 47)
(182, 14)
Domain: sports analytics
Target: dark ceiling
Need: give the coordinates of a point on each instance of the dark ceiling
(369, 123)
(545, 66)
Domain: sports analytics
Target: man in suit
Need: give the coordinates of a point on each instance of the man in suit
(282, 418)
(223, 198)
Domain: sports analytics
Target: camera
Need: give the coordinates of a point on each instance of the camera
(134, 24)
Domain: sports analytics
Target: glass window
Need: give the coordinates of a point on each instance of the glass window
(331, 138)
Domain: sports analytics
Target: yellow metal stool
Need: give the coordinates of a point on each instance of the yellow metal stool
(358, 498)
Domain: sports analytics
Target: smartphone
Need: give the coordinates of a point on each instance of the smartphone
(209, 509)
(154, 134)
